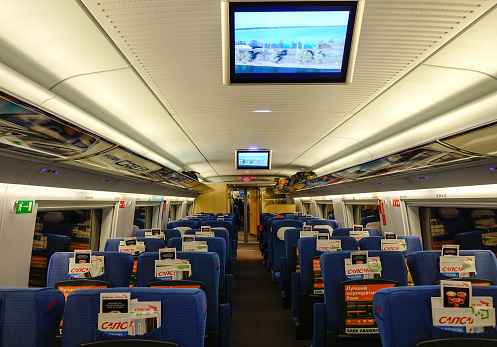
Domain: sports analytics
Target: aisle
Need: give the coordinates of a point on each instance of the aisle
(259, 319)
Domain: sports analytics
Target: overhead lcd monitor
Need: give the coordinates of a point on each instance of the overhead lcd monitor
(251, 160)
(290, 41)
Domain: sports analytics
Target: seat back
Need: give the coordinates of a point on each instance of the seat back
(473, 240)
(183, 315)
(228, 225)
(307, 250)
(346, 231)
(118, 268)
(222, 233)
(425, 266)
(413, 243)
(151, 244)
(404, 315)
(30, 317)
(278, 235)
(167, 232)
(292, 236)
(317, 223)
(214, 244)
(182, 224)
(205, 268)
(333, 271)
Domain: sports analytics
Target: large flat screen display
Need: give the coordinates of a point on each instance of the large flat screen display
(247, 159)
(291, 42)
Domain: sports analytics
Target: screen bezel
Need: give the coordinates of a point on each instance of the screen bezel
(356, 9)
(238, 151)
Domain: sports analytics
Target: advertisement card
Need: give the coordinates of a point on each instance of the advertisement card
(458, 266)
(116, 324)
(82, 256)
(323, 236)
(317, 277)
(205, 228)
(489, 239)
(114, 302)
(195, 246)
(359, 257)
(389, 235)
(358, 234)
(308, 234)
(167, 253)
(450, 250)
(358, 227)
(359, 318)
(306, 227)
(159, 236)
(156, 231)
(39, 241)
(455, 293)
(130, 241)
(328, 227)
(188, 238)
(393, 245)
(328, 245)
(204, 234)
(221, 218)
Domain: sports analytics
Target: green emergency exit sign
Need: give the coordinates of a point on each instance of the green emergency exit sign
(24, 206)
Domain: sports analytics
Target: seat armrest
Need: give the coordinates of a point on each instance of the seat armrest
(282, 273)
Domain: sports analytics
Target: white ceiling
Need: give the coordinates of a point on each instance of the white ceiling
(152, 70)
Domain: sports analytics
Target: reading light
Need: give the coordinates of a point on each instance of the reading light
(262, 111)
(490, 168)
(43, 170)
(57, 172)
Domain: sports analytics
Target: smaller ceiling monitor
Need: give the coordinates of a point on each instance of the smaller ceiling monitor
(247, 159)
(292, 42)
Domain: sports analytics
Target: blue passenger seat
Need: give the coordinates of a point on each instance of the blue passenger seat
(183, 315)
(30, 317)
(413, 243)
(327, 316)
(425, 266)
(151, 244)
(167, 232)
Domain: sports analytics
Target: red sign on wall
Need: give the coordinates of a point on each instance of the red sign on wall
(122, 204)
(384, 219)
(396, 203)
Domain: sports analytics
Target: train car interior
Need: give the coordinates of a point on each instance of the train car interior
(248, 172)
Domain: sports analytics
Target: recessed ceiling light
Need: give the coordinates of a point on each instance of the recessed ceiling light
(262, 111)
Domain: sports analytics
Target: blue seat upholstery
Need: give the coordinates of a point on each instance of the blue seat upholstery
(404, 318)
(346, 231)
(270, 236)
(118, 268)
(327, 314)
(151, 244)
(317, 222)
(307, 219)
(223, 233)
(30, 317)
(369, 219)
(182, 224)
(425, 266)
(182, 321)
(206, 269)
(473, 240)
(374, 243)
(167, 232)
(302, 298)
(218, 245)
(279, 245)
(289, 265)
(228, 225)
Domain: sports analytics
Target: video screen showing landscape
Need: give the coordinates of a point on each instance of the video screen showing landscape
(290, 42)
(253, 160)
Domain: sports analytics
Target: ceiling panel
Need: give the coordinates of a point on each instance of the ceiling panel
(185, 113)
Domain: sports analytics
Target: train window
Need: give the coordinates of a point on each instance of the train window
(367, 215)
(59, 231)
(327, 211)
(174, 210)
(440, 225)
(189, 208)
(143, 217)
